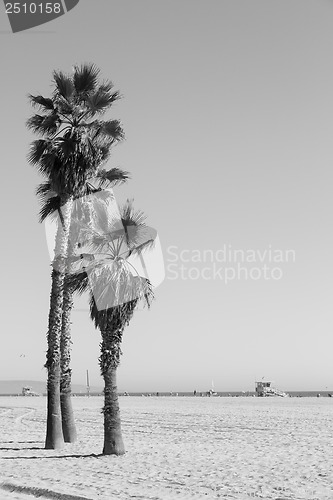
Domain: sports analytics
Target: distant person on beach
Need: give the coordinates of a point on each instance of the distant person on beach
(194, 392)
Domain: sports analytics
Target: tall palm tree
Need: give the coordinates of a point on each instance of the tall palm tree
(115, 291)
(74, 143)
(85, 215)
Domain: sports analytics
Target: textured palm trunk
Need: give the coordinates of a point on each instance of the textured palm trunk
(67, 414)
(54, 434)
(113, 441)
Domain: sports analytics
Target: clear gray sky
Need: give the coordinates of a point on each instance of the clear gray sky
(228, 114)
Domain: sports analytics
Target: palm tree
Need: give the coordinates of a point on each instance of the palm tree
(74, 144)
(115, 291)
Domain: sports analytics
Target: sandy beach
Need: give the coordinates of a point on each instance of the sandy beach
(176, 447)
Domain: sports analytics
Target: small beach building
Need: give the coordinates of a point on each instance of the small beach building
(264, 389)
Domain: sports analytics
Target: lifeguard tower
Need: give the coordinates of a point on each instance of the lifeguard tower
(265, 389)
(27, 391)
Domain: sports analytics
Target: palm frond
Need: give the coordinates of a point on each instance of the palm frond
(50, 207)
(90, 189)
(130, 216)
(113, 129)
(85, 77)
(107, 178)
(44, 125)
(113, 293)
(67, 145)
(118, 234)
(64, 84)
(106, 86)
(148, 293)
(100, 101)
(51, 123)
(89, 146)
(103, 130)
(138, 248)
(77, 282)
(35, 122)
(143, 290)
(105, 152)
(37, 150)
(47, 163)
(45, 190)
(63, 105)
(43, 102)
(139, 236)
(98, 138)
(94, 242)
(111, 285)
(94, 233)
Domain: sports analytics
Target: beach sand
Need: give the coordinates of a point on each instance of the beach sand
(176, 447)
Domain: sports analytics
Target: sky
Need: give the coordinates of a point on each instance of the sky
(228, 113)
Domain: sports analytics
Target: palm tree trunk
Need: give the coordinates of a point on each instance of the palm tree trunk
(67, 414)
(54, 435)
(113, 441)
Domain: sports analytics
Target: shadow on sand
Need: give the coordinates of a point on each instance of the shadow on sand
(40, 492)
(92, 455)
(20, 442)
(21, 449)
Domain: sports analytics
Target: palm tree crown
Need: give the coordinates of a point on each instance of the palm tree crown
(74, 143)
(108, 268)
